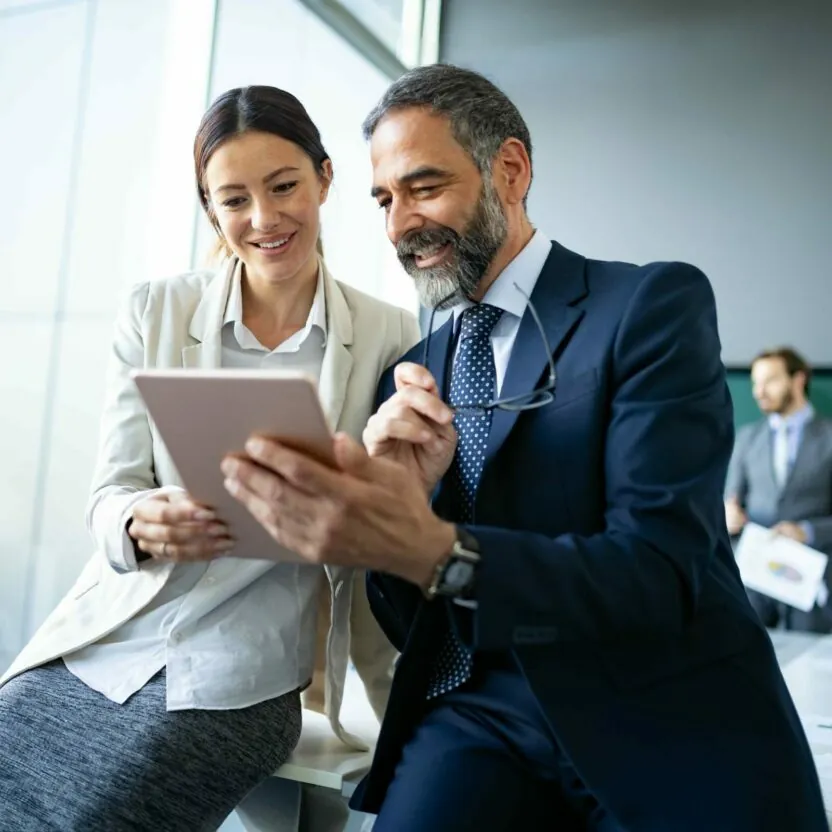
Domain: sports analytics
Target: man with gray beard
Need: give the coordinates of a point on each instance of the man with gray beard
(540, 501)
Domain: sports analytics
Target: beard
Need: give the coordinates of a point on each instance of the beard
(471, 253)
(780, 405)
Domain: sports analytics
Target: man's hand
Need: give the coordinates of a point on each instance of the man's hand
(370, 513)
(172, 527)
(414, 427)
(791, 530)
(735, 517)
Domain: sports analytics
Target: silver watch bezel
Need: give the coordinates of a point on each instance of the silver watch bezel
(458, 553)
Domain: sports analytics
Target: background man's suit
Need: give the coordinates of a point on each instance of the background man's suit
(607, 569)
(805, 497)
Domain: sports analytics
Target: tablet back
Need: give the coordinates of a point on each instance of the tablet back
(202, 415)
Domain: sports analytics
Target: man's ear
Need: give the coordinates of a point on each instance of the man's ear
(513, 170)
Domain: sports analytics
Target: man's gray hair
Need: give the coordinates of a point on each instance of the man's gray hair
(481, 116)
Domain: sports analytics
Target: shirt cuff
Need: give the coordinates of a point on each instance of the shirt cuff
(808, 531)
(128, 560)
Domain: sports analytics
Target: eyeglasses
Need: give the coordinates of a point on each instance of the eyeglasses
(526, 401)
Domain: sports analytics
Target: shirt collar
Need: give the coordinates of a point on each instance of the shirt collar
(794, 420)
(524, 270)
(316, 317)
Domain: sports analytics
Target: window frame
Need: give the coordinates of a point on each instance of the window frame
(420, 42)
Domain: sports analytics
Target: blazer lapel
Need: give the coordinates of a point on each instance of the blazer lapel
(439, 355)
(439, 359)
(804, 451)
(206, 324)
(561, 284)
(338, 360)
(206, 327)
(761, 456)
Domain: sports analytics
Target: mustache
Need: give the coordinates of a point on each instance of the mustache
(428, 238)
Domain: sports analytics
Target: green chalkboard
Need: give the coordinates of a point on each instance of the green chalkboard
(745, 408)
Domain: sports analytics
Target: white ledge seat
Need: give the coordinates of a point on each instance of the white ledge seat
(321, 759)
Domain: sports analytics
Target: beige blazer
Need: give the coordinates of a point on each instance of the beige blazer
(177, 323)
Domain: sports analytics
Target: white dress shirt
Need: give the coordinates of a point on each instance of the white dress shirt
(231, 632)
(302, 351)
(524, 270)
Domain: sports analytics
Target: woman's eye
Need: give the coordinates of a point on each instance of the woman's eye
(234, 202)
(284, 187)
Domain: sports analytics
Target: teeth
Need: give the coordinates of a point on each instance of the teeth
(275, 244)
(428, 252)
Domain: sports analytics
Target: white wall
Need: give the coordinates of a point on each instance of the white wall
(669, 129)
(86, 134)
(99, 101)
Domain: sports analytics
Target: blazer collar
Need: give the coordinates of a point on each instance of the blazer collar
(441, 342)
(562, 283)
(807, 448)
(523, 272)
(207, 321)
(337, 363)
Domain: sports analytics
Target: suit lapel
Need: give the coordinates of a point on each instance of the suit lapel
(439, 356)
(562, 282)
(439, 359)
(337, 361)
(804, 451)
(206, 324)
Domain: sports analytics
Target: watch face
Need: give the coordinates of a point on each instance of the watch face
(458, 575)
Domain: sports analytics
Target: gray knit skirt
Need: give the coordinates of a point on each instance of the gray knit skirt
(73, 761)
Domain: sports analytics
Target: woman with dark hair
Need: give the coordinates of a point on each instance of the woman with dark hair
(166, 685)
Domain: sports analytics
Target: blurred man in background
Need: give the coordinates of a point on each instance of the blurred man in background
(780, 476)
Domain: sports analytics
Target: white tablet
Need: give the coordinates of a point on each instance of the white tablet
(203, 415)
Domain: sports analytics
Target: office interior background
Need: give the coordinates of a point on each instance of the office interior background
(662, 130)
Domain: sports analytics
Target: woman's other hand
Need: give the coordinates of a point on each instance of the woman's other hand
(172, 527)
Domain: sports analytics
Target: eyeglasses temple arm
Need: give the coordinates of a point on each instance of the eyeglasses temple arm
(542, 331)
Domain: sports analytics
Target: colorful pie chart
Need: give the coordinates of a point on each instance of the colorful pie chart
(785, 571)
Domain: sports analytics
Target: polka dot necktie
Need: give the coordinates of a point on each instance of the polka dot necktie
(473, 381)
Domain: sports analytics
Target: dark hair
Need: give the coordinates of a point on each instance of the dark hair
(794, 361)
(260, 108)
(482, 117)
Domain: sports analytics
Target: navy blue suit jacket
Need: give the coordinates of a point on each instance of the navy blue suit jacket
(606, 564)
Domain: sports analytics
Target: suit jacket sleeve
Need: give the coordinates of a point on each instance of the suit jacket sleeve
(736, 482)
(821, 533)
(668, 441)
(124, 469)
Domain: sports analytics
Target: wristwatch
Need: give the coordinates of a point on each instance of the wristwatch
(455, 576)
